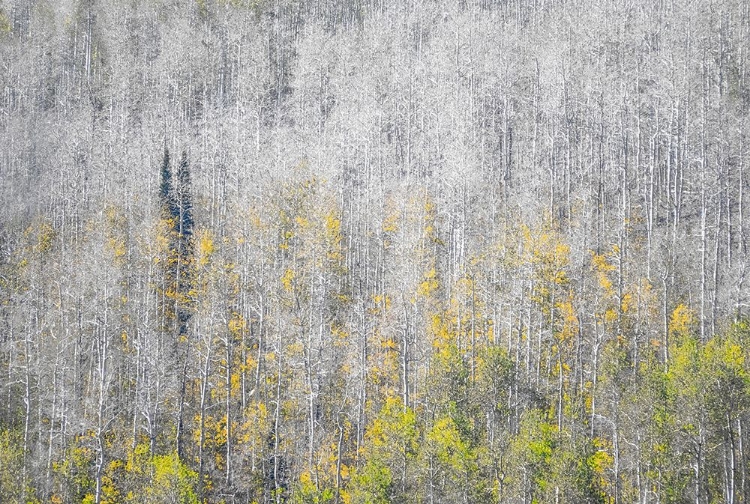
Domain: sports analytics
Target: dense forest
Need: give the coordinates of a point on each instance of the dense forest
(371, 251)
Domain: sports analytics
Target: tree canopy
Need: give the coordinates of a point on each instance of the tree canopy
(374, 251)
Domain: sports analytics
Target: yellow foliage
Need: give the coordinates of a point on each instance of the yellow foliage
(214, 430)
(569, 321)
(205, 247)
(286, 233)
(381, 302)
(234, 384)
(601, 463)
(390, 223)
(249, 364)
(162, 235)
(603, 265)
(287, 280)
(599, 262)
(441, 328)
(305, 478)
(490, 330)
(734, 358)
(237, 324)
(333, 226)
(5, 25)
(389, 344)
(429, 284)
(546, 250)
(333, 237)
(41, 235)
(345, 471)
(255, 221)
(725, 357)
(117, 247)
(429, 206)
(110, 492)
(295, 349)
(339, 334)
(562, 253)
(252, 431)
(627, 302)
(682, 321)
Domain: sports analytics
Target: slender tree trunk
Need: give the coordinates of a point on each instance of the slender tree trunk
(205, 374)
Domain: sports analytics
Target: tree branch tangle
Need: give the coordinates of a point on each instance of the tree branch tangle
(370, 251)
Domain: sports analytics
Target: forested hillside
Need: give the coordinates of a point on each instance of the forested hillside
(370, 251)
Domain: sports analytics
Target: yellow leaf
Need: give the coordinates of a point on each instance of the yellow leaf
(682, 321)
(205, 247)
(287, 279)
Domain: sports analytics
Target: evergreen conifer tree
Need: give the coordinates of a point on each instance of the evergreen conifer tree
(166, 191)
(184, 204)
